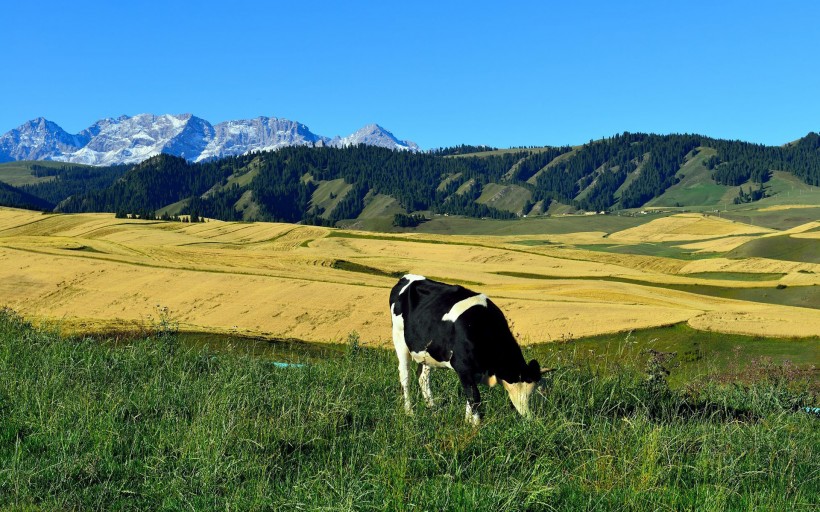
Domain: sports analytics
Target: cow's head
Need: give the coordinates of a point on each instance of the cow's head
(520, 391)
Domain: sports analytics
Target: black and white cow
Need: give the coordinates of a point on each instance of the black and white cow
(448, 326)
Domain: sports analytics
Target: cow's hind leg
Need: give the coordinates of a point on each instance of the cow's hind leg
(403, 354)
(424, 384)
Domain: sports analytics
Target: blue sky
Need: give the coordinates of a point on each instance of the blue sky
(438, 73)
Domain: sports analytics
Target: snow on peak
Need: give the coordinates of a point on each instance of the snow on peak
(258, 134)
(375, 135)
(38, 139)
(132, 139)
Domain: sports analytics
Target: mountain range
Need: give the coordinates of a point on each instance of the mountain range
(132, 139)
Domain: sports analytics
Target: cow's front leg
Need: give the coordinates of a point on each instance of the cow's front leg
(473, 412)
(424, 384)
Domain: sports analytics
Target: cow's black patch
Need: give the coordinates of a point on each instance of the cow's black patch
(477, 343)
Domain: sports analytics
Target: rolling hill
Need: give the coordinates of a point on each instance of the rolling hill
(569, 276)
(370, 185)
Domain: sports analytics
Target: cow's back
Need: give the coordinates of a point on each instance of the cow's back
(423, 304)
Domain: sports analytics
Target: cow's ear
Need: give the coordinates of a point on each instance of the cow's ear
(533, 371)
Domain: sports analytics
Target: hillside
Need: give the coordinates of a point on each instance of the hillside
(328, 185)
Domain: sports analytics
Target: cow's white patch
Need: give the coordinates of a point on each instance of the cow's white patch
(403, 354)
(424, 357)
(463, 305)
(471, 416)
(520, 395)
(410, 278)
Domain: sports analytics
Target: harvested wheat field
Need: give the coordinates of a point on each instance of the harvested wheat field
(686, 226)
(92, 272)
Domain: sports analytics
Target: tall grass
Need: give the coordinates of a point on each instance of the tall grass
(154, 425)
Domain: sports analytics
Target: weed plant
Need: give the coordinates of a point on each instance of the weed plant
(153, 425)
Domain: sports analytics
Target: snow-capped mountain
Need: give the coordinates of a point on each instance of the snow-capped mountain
(374, 135)
(38, 139)
(260, 134)
(132, 139)
(127, 140)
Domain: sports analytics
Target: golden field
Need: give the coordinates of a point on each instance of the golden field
(92, 272)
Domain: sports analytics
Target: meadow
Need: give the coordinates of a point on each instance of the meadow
(154, 423)
(141, 365)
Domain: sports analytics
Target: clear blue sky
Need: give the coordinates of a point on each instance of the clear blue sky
(438, 73)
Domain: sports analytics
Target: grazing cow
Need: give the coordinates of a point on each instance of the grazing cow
(448, 326)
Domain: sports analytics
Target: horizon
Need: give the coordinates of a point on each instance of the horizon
(437, 75)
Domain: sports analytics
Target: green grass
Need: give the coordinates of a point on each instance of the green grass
(380, 205)
(173, 208)
(738, 276)
(783, 247)
(248, 206)
(455, 224)
(659, 249)
(329, 194)
(244, 179)
(779, 219)
(289, 351)
(510, 198)
(785, 188)
(447, 180)
(18, 174)
(696, 186)
(799, 296)
(377, 215)
(465, 187)
(700, 355)
(154, 424)
(532, 180)
(532, 225)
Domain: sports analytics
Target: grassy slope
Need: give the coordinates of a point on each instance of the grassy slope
(532, 180)
(699, 353)
(446, 181)
(781, 247)
(18, 174)
(767, 293)
(173, 208)
(510, 198)
(786, 189)
(328, 194)
(696, 186)
(153, 425)
(377, 215)
(464, 187)
(248, 206)
(380, 205)
(631, 177)
(777, 219)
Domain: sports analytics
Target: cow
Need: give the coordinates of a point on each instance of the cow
(448, 326)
